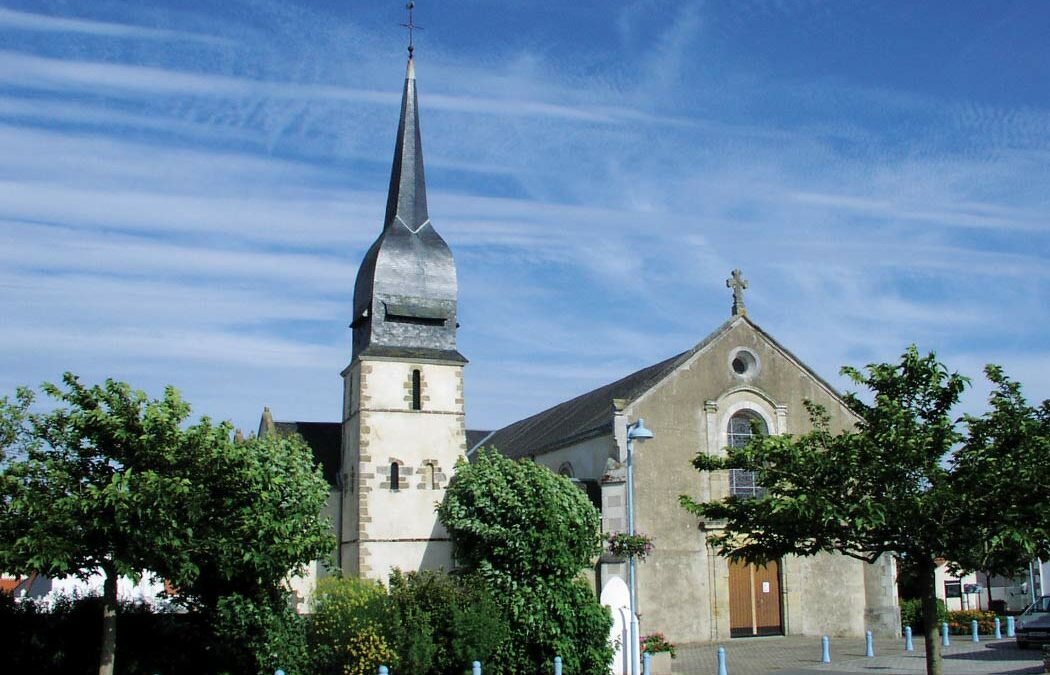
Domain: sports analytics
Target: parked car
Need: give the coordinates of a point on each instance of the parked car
(1033, 626)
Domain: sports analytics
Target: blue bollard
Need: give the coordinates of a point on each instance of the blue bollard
(944, 635)
(647, 663)
(973, 631)
(722, 661)
(909, 646)
(869, 645)
(475, 668)
(998, 630)
(825, 649)
(1010, 627)
(557, 665)
(383, 670)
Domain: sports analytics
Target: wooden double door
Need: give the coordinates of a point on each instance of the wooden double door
(754, 600)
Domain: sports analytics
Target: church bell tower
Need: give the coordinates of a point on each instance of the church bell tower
(402, 421)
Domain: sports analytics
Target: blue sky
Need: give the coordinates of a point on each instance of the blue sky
(187, 187)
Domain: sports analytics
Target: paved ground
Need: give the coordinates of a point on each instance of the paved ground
(801, 655)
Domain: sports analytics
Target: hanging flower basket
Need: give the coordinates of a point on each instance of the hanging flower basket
(625, 545)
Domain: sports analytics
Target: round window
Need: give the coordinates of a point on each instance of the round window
(743, 362)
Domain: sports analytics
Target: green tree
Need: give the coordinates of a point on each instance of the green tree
(529, 533)
(254, 511)
(110, 482)
(253, 519)
(910, 480)
(81, 492)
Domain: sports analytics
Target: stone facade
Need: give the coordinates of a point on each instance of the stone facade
(683, 587)
(387, 525)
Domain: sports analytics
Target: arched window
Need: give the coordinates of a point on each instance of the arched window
(743, 426)
(417, 393)
(428, 476)
(395, 476)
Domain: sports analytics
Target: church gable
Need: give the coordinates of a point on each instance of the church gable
(737, 382)
(738, 356)
(741, 366)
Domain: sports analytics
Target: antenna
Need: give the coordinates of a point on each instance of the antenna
(411, 26)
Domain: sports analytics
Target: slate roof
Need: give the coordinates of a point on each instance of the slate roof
(590, 415)
(324, 439)
(475, 436)
(405, 292)
(587, 415)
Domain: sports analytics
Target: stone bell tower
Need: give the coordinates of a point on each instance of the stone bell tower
(403, 424)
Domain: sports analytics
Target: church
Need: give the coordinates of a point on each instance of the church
(402, 430)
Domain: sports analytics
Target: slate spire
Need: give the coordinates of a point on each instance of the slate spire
(407, 198)
(405, 294)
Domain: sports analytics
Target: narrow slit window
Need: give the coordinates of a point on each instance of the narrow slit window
(395, 476)
(428, 476)
(417, 394)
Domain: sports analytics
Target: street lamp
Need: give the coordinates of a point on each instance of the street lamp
(635, 431)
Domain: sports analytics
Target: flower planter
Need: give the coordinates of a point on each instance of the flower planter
(626, 545)
(661, 663)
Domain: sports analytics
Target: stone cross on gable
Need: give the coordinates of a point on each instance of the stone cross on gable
(738, 283)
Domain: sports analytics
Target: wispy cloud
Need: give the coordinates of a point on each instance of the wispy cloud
(974, 215)
(28, 21)
(171, 217)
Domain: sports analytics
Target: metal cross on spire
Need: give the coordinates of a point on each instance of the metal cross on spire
(738, 283)
(412, 27)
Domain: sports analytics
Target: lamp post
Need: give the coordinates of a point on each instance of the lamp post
(635, 431)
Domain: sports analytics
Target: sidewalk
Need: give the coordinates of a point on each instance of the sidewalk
(801, 655)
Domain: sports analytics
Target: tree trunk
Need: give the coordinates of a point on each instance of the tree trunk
(927, 570)
(109, 622)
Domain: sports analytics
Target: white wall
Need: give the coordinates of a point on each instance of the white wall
(149, 589)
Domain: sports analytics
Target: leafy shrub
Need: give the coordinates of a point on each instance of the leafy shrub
(959, 621)
(554, 618)
(444, 622)
(351, 628)
(528, 533)
(62, 639)
(911, 614)
(519, 520)
(260, 635)
(365, 650)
